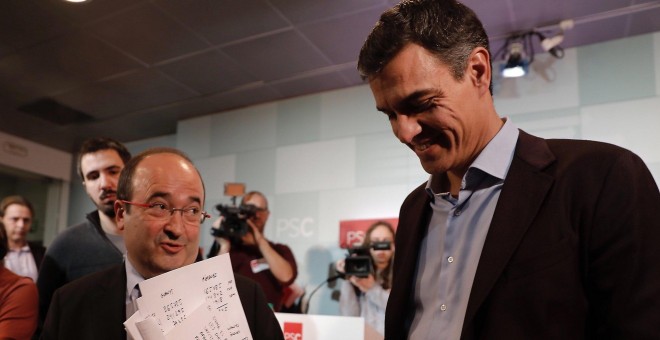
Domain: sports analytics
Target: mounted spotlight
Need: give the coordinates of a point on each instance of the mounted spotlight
(517, 64)
(518, 50)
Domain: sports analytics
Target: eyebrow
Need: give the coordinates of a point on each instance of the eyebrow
(407, 102)
(112, 167)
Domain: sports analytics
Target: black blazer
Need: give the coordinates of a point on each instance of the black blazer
(37, 251)
(571, 252)
(94, 307)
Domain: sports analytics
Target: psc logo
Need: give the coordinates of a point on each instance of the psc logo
(293, 331)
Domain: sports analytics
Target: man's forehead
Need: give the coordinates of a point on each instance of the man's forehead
(98, 160)
(257, 201)
(17, 209)
(165, 175)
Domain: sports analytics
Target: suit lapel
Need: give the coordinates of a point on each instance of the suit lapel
(410, 231)
(522, 195)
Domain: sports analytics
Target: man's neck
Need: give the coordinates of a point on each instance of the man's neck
(16, 245)
(108, 224)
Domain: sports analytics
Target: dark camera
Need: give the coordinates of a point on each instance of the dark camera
(359, 265)
(358, 262)
(234, 224)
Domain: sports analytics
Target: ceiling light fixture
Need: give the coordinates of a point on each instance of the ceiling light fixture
(517, 63)
(518, 49)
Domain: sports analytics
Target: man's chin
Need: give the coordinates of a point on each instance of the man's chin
(108, 210)
(433, 167)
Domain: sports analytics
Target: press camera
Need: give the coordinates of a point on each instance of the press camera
(358, 262)
(234, 223)
(234, 218)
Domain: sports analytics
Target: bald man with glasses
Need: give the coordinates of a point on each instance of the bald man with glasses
(159, 208)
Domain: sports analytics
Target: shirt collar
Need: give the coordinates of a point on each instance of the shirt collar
(494, 159)
(132, 277)
(23, 249)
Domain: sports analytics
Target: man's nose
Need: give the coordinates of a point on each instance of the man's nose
(405, 128)
(175, 225)
(107, 181)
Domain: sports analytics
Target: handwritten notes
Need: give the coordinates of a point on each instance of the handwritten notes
(198, 301)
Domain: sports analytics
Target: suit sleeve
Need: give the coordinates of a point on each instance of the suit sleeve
(51, 277)
(623, 275)
(51, 323)
(261, 319)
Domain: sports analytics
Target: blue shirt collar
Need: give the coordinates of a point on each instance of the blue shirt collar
(494, 160)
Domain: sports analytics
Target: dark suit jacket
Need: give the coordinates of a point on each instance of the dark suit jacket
(38, 252)
(94, 307)
(571, 253)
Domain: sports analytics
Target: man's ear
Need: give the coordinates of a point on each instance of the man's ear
(119, 214)
(479, 68)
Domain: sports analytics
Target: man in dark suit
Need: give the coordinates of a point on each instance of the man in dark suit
(159, 204)
(24, 257)
(513, 236)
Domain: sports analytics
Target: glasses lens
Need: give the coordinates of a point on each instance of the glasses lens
(191, 215)
(159, 210)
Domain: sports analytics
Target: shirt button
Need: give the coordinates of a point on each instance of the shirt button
(457, 212)
(450, 259)
(443, 307)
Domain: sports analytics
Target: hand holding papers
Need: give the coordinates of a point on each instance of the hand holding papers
(198, 301)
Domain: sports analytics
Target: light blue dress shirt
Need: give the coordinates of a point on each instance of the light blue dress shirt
(451, 249)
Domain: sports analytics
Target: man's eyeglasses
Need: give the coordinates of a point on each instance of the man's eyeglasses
(161, 211)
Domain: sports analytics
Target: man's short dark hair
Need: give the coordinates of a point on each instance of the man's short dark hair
(446, 28)
(15, 199)
(98, 144)
(125, 185)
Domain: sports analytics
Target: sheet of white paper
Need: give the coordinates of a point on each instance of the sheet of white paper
(131, 328)
(170, 298)
(149, 329)
(203, 323)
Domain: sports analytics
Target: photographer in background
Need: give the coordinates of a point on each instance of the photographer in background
(367, 296)
(272, 265)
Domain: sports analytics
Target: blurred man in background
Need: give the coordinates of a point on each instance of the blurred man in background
(96, 243)
(24, 257)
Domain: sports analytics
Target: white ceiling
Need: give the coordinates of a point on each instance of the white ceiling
(136, 67)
